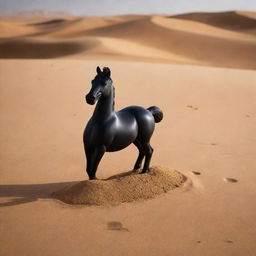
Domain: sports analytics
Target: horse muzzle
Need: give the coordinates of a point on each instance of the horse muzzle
(91, 99)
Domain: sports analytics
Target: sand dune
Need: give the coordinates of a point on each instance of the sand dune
(228, 20)
(49, 22)
(209, 50)
(200, 28)
(34, 49)
(11, 29)
(33, 28)
(75, 29)
(212, 39)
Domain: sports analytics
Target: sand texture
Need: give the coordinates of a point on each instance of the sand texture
(198, 68)
(122, 188)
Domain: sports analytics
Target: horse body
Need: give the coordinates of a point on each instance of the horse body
(109, 131)
(121, 129)
(125, 131)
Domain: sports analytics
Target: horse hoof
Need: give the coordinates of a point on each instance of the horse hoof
(144, 171)
(93, 178)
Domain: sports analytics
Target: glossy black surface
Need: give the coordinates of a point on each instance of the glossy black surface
(109, 131)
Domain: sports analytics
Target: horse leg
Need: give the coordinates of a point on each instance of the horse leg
(140, 156)
(148, 150)
(97, 155)
(89, 157)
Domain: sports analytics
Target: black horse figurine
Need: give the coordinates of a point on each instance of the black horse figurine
(109, 131)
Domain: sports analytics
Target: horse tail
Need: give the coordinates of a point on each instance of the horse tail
(157, 113)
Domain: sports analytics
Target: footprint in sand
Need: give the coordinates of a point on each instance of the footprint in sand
(190, 106)
(230, 180)
(116, 226)
(196, 173)
(228, 241)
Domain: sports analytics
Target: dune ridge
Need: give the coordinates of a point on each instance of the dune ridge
(230, 53)
(209, 39)
(232, 20)
(49, 22)
(42, 49)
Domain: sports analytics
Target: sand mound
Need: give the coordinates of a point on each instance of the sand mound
(125, 187)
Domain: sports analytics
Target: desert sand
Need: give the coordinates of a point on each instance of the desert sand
(199, 68)
(125, 187)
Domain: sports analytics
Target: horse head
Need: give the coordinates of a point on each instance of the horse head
(101, 86)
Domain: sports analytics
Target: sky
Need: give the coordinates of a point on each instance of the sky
(115, 7)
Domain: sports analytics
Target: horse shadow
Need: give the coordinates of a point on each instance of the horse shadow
(25, 193)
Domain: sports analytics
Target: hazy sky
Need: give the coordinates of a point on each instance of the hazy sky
(110, 7)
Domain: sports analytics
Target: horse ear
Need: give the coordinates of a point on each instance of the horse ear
(106, 72)
(98, 70)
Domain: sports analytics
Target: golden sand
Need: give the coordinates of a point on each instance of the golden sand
(125, 187)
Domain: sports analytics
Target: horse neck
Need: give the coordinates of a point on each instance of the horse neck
(105, 106)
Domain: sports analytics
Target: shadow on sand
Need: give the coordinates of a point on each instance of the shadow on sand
(20, 194)
(15, 194)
